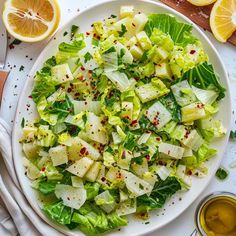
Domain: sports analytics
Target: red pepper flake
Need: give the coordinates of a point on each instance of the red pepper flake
(155, 121)
(87, 33)
(158, 139)
(126, 117)
(103, 122)
(187, 133)
(103, 179)
(192, 51)
(161, 163)
(200, 105)
(69, 90)
(133, 24)
(11, 46)
(118, 175)
(83, 150)
(189, 172)
(148, 157)
(86, 153)
(123, 155)
(43, 169)
(90, 71)
(134, 122)
(30, 96)
(82, 68)
(68, 198)
(81, 78)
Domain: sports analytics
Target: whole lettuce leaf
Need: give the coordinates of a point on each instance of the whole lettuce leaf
(47, 187)
(58, 212)
(205, 152)
(203, 76)
(44, 84)
(92, 220)
(160, 193)
(92, 190)
(180, 33)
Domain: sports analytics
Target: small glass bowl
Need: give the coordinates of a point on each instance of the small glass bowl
(204, 202)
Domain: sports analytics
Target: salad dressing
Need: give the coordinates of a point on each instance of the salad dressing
(218, 217)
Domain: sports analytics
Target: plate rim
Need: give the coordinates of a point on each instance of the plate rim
(30, 77)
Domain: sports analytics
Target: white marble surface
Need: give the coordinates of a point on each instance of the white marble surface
(25, 54)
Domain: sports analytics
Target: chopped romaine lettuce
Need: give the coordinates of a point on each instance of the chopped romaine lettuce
(126, 118)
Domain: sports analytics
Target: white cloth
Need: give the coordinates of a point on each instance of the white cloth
(16, 215)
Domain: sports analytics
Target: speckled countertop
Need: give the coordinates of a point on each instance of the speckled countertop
(20, 59)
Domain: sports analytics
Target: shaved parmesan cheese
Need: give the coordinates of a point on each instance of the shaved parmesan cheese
(136, 185)
(80, 167)
(71, 196)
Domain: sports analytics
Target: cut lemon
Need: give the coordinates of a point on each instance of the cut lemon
(201, 2)
(223, 19)
(31, 20)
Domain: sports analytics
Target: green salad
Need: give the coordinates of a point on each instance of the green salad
(126, 119)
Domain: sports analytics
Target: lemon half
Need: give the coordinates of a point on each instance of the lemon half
(201, 2)
(31, 20)
(223, 19)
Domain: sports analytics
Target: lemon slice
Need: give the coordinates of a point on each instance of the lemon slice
(31, 20)
(201, 2)
(223, 19)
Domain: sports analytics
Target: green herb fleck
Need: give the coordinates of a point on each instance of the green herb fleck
(112, 49)
(146, 223)
(84, 118)
(74, 29)
(23, 122)
(123, 30)
(21, 68)
(110, 150)
(65, 33)
(51, 61)
(221, 173)
(73, 130)
(130, 142)
(95, 42)
(233, 134)
(87, 57)
(15, 42)
(137, 160)
(122, 52)
(144, 57)
(113, 16)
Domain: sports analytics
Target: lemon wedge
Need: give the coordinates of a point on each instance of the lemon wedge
(31, 20)
(201, 2)
(223, 19)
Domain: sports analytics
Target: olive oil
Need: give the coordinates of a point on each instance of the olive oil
(217, 217)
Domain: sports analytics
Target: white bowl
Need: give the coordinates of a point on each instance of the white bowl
(174, 207)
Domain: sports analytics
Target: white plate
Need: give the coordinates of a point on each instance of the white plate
(175, 206)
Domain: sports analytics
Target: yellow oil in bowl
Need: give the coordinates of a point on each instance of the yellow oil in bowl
(216, 215)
